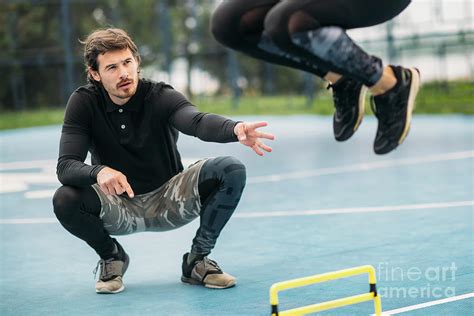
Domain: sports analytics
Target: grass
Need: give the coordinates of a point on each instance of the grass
(446, 97)
(30, 118)
(455, 97)
(265, 105)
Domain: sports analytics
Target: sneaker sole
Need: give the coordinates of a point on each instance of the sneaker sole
(211, 286)
(363, 93)
(192, 281)
(414, 88)
(105, 291)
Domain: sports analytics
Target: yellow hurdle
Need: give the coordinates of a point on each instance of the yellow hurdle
(285, 285)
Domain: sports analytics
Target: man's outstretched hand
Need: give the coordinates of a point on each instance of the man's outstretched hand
(249, 136)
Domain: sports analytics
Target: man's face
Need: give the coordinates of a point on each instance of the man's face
(118, 72)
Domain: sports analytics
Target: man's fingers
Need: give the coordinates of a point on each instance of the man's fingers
(248, 136)
(118, 188)
(113, 182)
(257, 124)
(265, 147)
(266, 135)
(110, 190)
(127, 188)
(257, 150)
(104, 189)
(130, 192)
(114, 187)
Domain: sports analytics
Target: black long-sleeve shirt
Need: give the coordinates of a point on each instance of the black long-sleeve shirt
(137, 138)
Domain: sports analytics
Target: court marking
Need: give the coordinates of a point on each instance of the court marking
(362, 167)
(39, 220)
(353, 210)
(427, 304)
(454, 204)
(40, 194)
(19, 182)
(28, 164)
(22, 176)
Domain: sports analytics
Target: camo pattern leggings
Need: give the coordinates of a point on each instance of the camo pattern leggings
(178, 202)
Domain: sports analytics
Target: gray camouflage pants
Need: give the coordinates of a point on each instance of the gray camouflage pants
(174, 204)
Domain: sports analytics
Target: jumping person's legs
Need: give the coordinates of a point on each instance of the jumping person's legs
(310, 35)
(316, 30)
(239, 24)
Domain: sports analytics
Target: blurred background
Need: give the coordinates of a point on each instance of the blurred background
(41, 57)
(303, 211)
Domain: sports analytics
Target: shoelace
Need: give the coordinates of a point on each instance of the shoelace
(105, 267)
(341, 90)
(210, 262)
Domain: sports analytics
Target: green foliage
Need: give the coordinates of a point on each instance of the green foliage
(32, 59)
(452, 97)
(264, 105)
(446, 97)
(455, 97)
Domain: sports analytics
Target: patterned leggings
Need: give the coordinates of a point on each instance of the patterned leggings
(305, 34)
(209, 188)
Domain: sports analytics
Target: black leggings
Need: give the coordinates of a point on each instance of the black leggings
(305, 34)
(221, 183)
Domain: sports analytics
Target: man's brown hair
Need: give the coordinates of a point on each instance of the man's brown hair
(105, 40)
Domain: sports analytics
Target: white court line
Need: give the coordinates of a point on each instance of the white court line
(22, 165)
(427, 304)
(362, 167)
(48, 220)
(39, 220)
(20, 180)
(257, 179)
(39, 194)
(357, 209)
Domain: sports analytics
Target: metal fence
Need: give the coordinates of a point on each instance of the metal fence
(41, 63)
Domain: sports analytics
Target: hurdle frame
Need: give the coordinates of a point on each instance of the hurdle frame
(319, 278)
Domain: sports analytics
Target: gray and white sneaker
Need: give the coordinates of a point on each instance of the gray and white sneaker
(111, 273)
(206, 272)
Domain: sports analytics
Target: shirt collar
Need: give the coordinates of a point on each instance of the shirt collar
(132, 105)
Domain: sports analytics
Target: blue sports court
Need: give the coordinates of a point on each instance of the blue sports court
(310, 207)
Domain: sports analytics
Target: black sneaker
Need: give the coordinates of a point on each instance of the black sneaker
(349, 101)
(111, 272)
(394, 108)
(204, 271)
